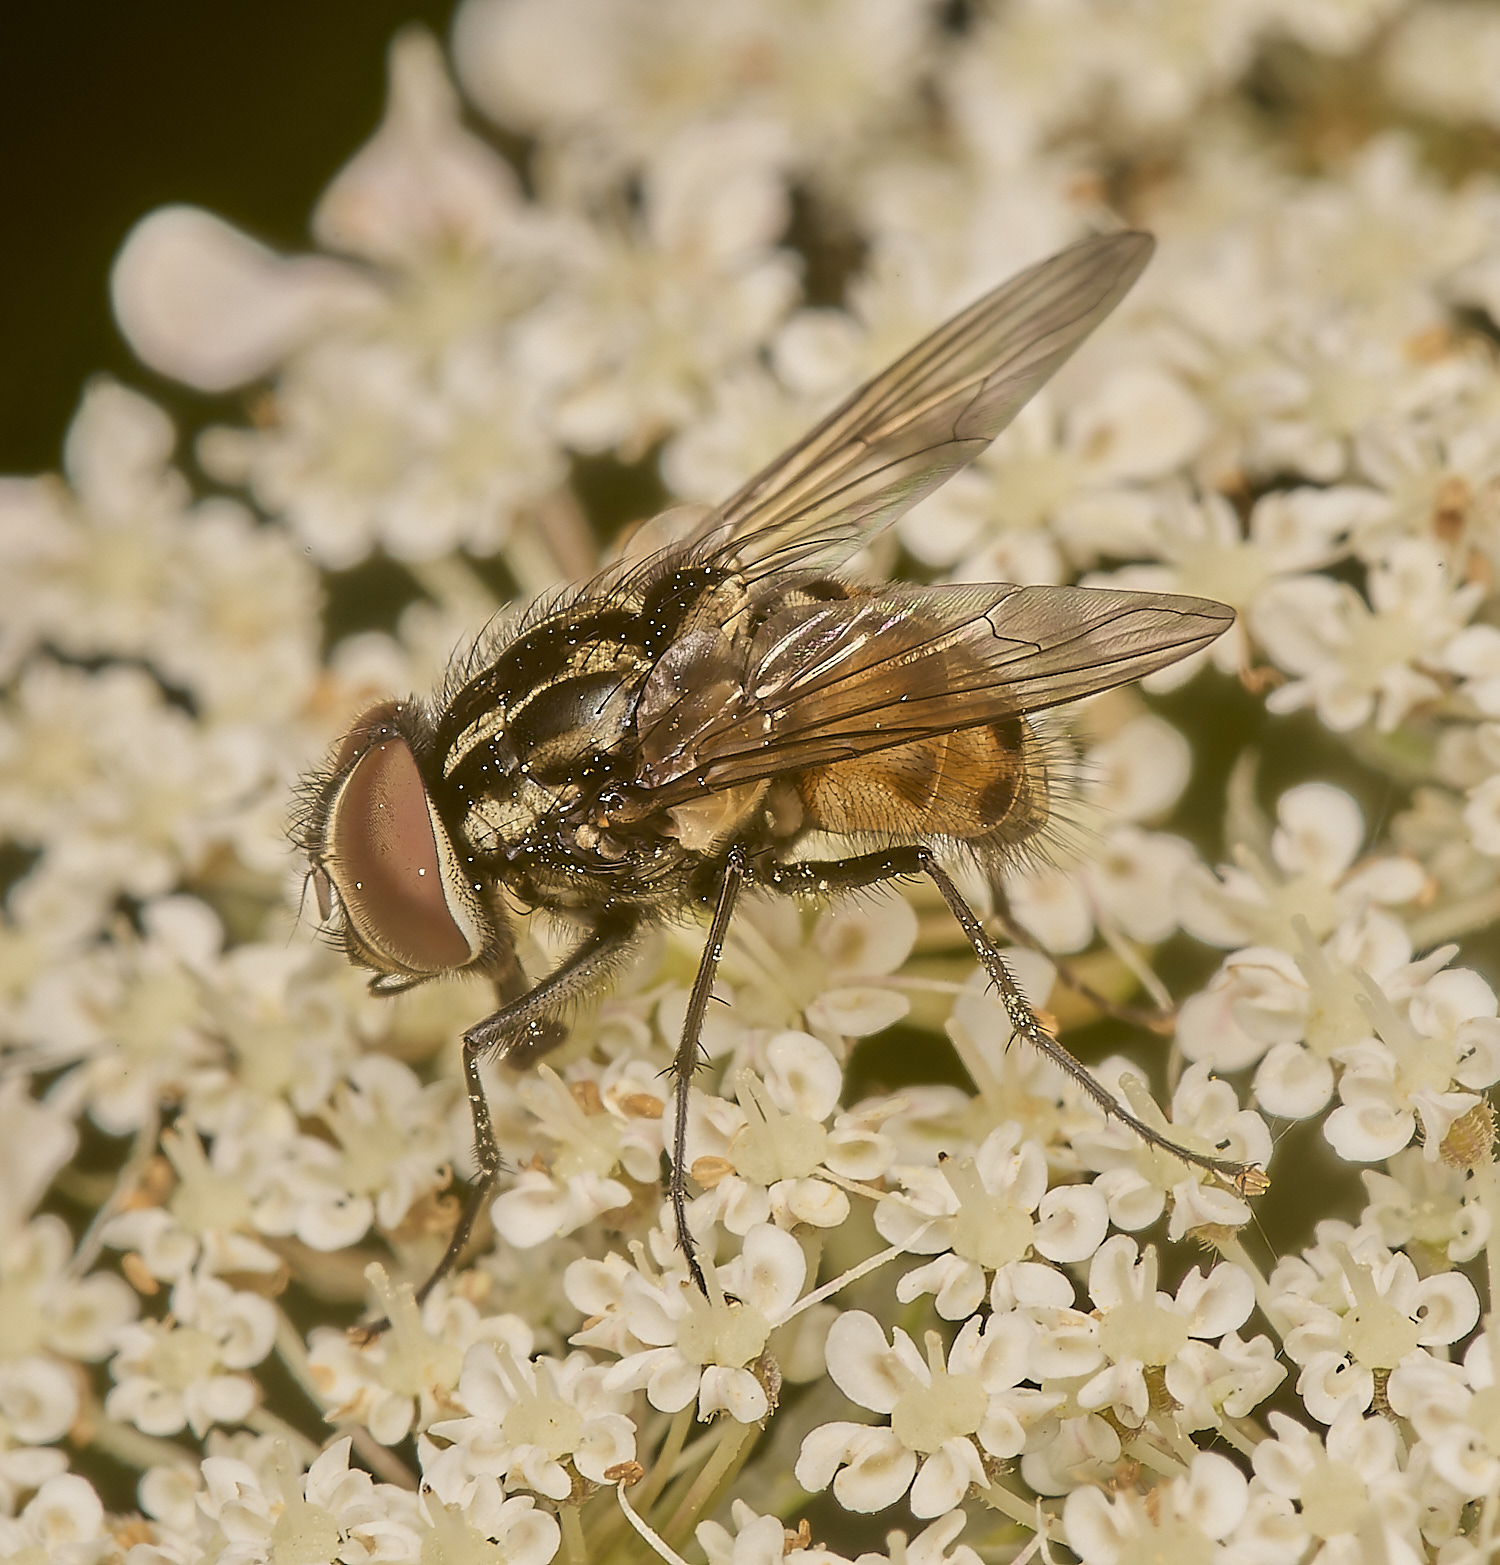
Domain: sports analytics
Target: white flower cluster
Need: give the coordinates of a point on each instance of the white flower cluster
(931, 1313)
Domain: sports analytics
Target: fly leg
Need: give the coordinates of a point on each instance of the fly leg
(687, 1058)
(1153, 1020)
(524, 1028)
(869, 869)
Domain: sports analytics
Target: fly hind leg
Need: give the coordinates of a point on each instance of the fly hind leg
(834, 876)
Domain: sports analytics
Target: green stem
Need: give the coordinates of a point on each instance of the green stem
(718, 1470)
(1487, 1187)
(1149, 1455)
(127, 1445)
(572, 1531)
(666, 1461)
(1025, 1513)
(1233, 1249)
(603, 1533)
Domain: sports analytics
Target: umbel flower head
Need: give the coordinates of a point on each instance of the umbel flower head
(949, 1310)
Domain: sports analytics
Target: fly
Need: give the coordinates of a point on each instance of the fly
(673, 732)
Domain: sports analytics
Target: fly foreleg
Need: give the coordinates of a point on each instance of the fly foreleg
(524, 1029)
(686, 1061)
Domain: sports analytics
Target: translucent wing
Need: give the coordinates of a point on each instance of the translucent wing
(909, 429)
(826, 682)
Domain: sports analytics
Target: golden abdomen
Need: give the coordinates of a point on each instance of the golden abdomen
(984, 782)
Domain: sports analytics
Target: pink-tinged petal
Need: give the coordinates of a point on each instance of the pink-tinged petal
(422, 182)
(861, 1363)
(945, 1477)
(205, 304)
(1209, 1029)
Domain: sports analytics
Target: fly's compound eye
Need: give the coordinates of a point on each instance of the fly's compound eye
(408, 906)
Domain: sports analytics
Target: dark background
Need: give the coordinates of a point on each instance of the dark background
(111, 108)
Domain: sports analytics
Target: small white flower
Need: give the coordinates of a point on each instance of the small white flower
(770, 1157)
(46, 1308)
(599, 1126)
(1424, 1202)
(1139, 1180)
(183, 1372)
(1182, 1520)
(938, 1411)
(332, 1512)
(209, 1216)
(1142, 1329)
(759, 1540)
(692, 1347)
(1355, 662)
(405, 1378)
(1453, 1410)
(526, 1418)
(984, 1216)
(1348, 1488)
(1127, 882)
(1309, 872)
(63, 1522)
(1426, 1067)
(1357, 1312)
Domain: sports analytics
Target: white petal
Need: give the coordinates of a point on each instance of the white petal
(802, 1076)
(1320, 831)
(945, 1477)
(1072, 1222)
(204, 304)
(733, 1391)
(422, 181)
(857, 1012)
(1447, 1308)
(1292, 1082)
(861, 1363)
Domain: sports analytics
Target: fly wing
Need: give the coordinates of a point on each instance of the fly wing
(826, 682)
(912, 427)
